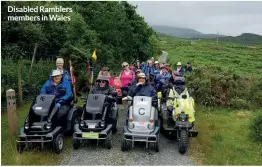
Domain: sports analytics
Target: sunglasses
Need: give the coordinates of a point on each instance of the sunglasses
(101, 81)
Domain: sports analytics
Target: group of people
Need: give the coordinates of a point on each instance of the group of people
(141, 79)
(137, 80)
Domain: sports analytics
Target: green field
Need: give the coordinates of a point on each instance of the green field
(224, 138)
(224, 133)
(242, 60)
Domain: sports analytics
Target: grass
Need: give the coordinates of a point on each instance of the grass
(9, 154)
(224, 138)
(242, 60)
(224, 134)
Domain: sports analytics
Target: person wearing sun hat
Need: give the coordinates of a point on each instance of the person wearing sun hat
(142, 88)
(156, 67)
(179, 68)
(105, 72)
(54, 86)
(164, 74)
(102, 86)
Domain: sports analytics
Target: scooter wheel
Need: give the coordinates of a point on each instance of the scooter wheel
(58, 143)
(124, 145)
(20, 147)
(183, 141)
(157, 143)
(108, 140)
(76, 143)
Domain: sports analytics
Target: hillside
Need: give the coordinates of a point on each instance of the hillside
(182, 32)
(245, 38)
(233, 56)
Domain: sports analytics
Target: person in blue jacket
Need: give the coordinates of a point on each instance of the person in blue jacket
(164, 74)
(56, 86)
(157, 68)
(149, 68)
(142, 88)
(65, 73)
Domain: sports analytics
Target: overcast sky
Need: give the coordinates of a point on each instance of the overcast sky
(227, 18)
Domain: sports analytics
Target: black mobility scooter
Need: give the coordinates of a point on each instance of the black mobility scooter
(98, 120)
(41, 127)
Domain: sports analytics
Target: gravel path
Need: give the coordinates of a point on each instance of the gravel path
(163, 58)
(90, 154)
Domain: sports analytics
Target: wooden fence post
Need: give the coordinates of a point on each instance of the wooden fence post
(11, 111)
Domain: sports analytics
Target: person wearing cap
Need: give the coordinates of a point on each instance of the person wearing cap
(142, 88)
(188, 67)
(102, 86)
(179, 68)
(105, 72)
(126, 76)
(149, 68)
(164, 74)
(64, 72)
(52, 87)
(134, 81)
(157, 68)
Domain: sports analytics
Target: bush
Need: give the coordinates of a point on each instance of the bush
(31, 83)
(256, 128)
(218, 87)
(238, 103)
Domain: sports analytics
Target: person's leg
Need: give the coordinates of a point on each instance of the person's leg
(62, 115)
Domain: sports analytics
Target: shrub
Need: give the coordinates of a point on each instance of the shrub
(238, 103)
(256, 128)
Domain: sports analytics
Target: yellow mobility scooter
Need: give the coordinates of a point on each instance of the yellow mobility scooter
(178, 114)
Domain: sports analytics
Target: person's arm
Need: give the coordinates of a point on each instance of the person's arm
(167, 76)
(43, 89)
(68, 96)
(111, 90)
(67, 76)
(133, 90)
(92, 90)
(153, 93)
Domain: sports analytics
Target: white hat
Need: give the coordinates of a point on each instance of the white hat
(55, 73)
(141, 75)
(156, 62)
(60, 60)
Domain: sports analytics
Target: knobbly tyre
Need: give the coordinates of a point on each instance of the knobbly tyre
(141, 124)
(41, 127)
(98, 120)
(178, 115)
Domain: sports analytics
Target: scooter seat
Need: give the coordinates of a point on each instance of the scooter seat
(95, 103)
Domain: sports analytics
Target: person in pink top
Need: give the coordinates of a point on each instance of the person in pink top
(126, 76)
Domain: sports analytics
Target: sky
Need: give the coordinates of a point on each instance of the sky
(209, 17)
